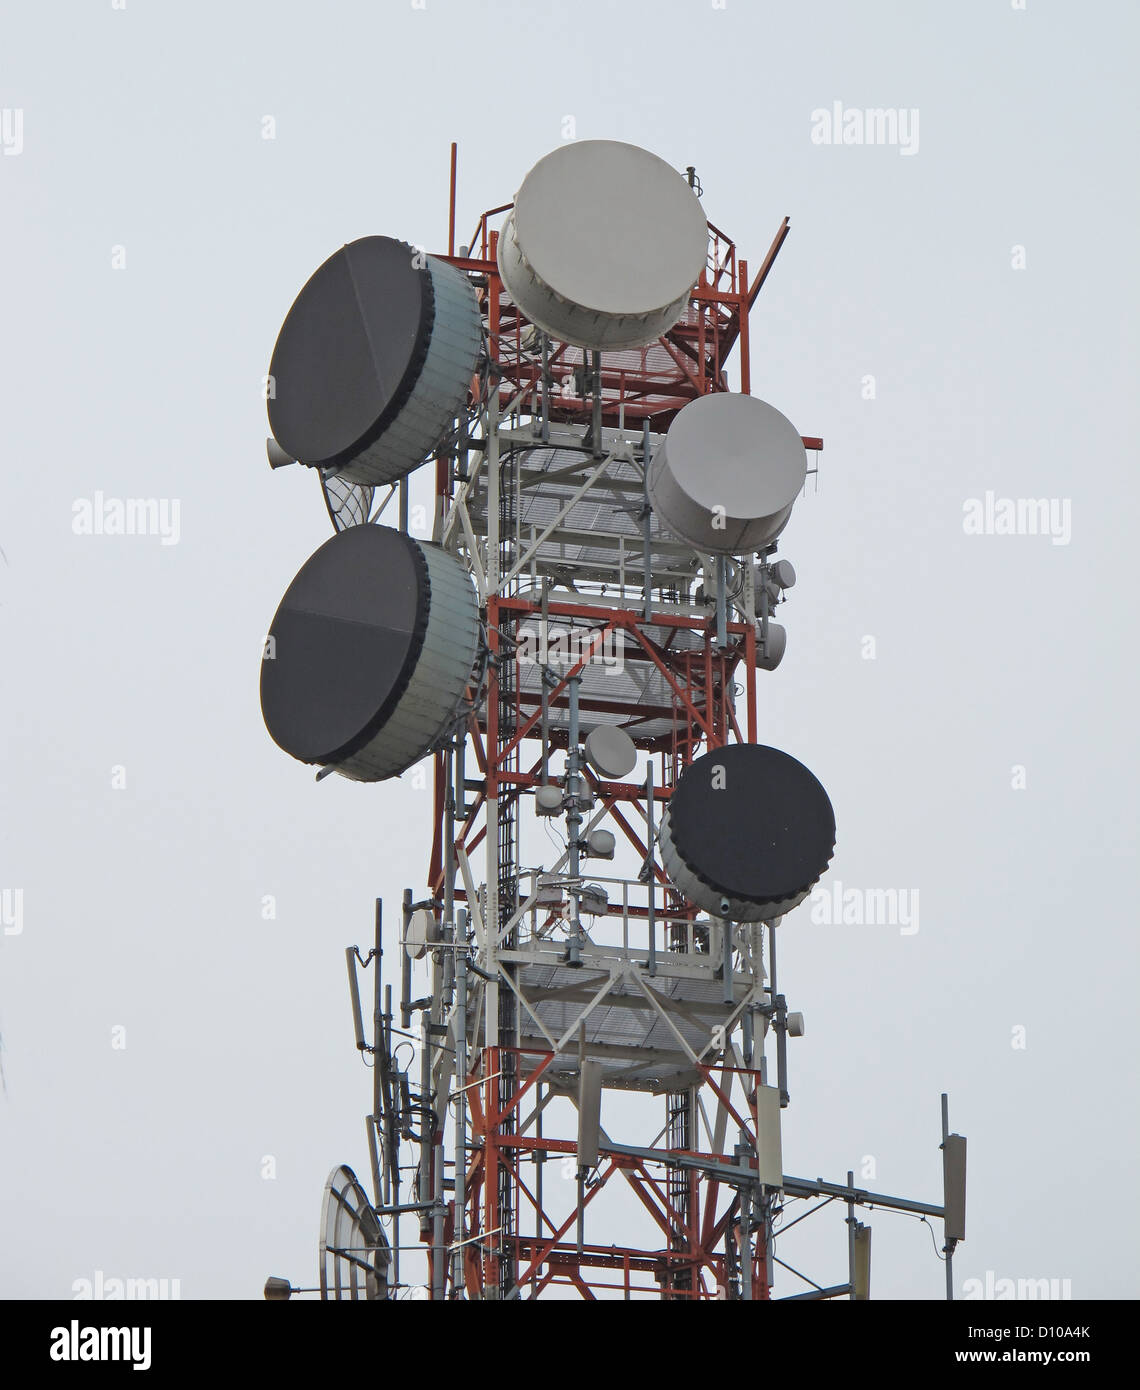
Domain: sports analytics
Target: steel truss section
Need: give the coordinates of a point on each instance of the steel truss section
(544, 498)
(546, 977)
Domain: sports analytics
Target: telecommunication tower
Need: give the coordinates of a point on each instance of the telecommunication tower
(577, 651)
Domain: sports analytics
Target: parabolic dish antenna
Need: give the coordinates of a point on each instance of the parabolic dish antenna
(603, 245)
(727, 473)
(777, 646)
(373, 361)
(372, 647)
(747, 832)
(610, 751)
(348, 504)
(354, 1250)
(422, 933)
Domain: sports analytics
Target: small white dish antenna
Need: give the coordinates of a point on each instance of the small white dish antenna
(600, 844)
(777, 646)
(611, 752)
(423, 932)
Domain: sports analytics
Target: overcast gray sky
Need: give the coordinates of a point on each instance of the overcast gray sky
(986, 281)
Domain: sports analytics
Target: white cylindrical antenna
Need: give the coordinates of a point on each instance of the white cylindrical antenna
(354, 991)
(727, 474)
(603, 245)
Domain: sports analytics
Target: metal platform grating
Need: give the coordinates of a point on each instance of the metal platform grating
(636, 1047)
(600, 538)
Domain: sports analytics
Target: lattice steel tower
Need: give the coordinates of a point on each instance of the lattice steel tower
(577, 651)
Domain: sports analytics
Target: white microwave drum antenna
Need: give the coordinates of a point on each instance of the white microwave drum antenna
(747, 832)
(373, 361)
(604, 245)
(727, 473)
(354, 1250)
(373, 649)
